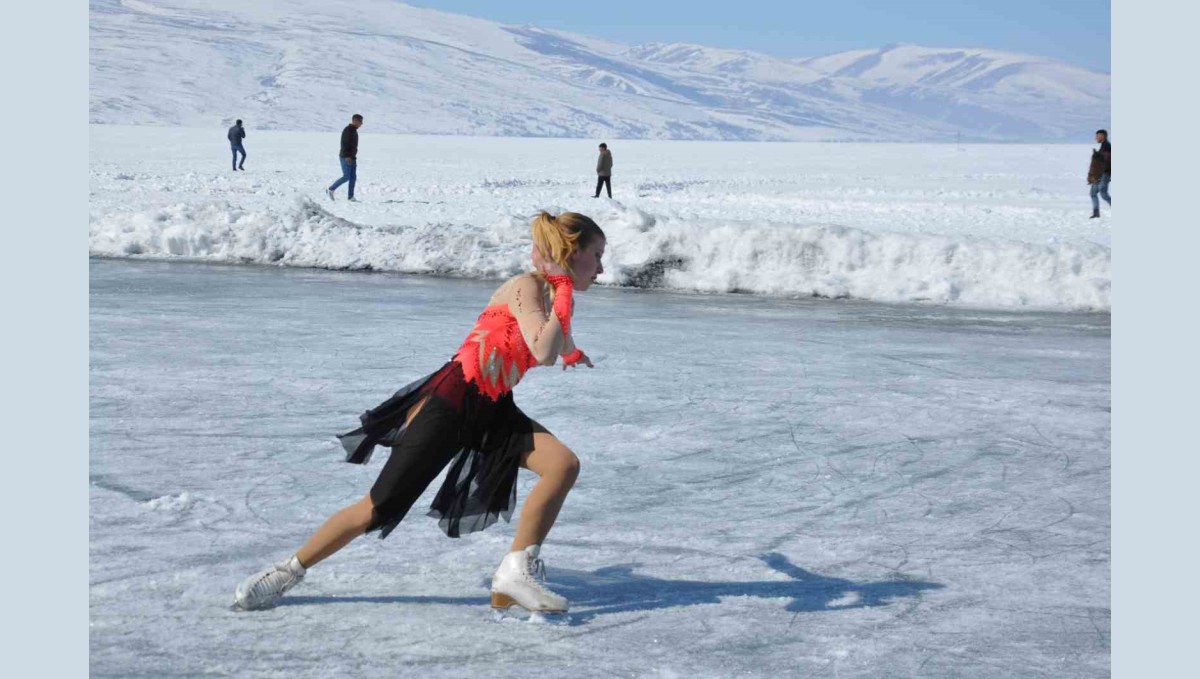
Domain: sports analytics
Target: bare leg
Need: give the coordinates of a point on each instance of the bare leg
(337, 532)
(340, 529)
(558, 468)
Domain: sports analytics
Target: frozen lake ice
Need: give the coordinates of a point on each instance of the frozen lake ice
(770, 487)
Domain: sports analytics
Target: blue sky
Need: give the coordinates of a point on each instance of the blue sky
(1074, 31)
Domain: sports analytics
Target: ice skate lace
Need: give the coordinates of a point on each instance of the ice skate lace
(276, 581)
(536, 575)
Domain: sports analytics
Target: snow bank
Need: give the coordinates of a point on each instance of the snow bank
(644, 250)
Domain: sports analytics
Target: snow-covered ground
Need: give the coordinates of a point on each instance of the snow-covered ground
(998, 226)
(771, 487)
(294, 65)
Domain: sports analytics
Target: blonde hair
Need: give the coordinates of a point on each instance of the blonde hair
(560, 237)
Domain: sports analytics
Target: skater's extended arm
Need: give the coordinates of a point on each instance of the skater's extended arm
(573, 355)
(545, 333)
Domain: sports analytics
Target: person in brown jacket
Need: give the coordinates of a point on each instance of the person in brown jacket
(1100, 172)
(604, 171)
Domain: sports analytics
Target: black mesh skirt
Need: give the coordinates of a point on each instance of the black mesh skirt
(481, 440)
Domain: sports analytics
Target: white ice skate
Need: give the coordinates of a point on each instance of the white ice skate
(518, 582)
(265, 588)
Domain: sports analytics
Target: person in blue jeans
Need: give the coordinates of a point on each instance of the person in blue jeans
(348, 155)
(235, 135)
(1100, 172)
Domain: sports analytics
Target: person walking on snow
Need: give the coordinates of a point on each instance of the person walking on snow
(604, 171)
(235, 135)
(1100, 172)
(463, 416)
(348, 156)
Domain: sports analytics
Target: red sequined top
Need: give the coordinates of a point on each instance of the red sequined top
(514, 333)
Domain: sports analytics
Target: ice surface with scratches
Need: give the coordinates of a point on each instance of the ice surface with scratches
(770, 487)
(999, 226)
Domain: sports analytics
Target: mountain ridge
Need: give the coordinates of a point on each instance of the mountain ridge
(423, 71)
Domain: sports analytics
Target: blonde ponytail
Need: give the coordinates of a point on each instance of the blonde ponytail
(558, 238)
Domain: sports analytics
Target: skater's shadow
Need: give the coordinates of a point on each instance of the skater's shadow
(451, 600)
(616, 589)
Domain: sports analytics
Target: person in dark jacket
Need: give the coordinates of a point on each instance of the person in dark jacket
(235, 135)
(348, 156)
(1100, 172)
(604, 171)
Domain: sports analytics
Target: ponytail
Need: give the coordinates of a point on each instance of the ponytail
(558, 238)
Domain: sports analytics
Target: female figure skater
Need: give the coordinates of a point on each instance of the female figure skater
(464, 416)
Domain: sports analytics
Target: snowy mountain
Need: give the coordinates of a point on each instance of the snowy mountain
(308, 64)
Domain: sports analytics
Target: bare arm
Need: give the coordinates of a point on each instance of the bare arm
(545, 333)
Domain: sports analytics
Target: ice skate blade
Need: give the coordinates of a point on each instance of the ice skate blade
(238, 608)
(514, 615)
(504, 601)
(505, 608)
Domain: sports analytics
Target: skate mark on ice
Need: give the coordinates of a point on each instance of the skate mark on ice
(1100, 633)
(109, 483)
(670, 550)
(248, 500)
(928, 367)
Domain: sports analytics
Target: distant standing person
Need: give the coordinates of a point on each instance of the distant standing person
(236, 134)
(1100, 172)
(604, 171)
(348, 156)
